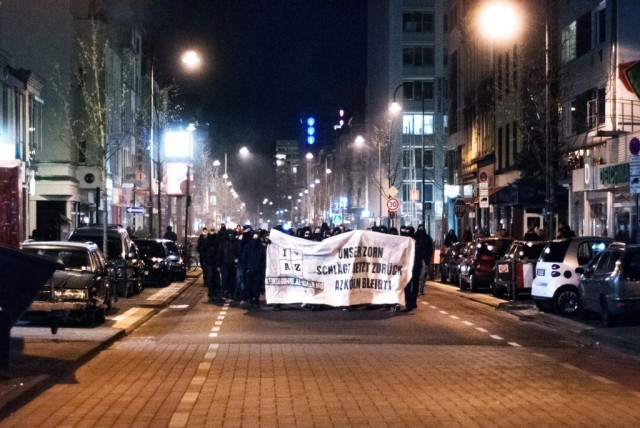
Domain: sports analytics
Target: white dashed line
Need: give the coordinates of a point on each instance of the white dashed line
(467, 322)
(514, 344)
(444, 312)
(454, 317)
(481, 330)
(603, 380)
(496, 337)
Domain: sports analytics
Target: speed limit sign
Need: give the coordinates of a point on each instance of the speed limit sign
(393, 204)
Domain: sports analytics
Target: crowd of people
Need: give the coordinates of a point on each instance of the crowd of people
(233, 261)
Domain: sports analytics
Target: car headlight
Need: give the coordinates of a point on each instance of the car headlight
(75, 294)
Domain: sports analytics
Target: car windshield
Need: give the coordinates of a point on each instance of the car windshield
(114, 247)
(172, 247)
(632, 264)
(151, 248)
(71, 259)
(531, 251)
(554, 252)
(498, 247)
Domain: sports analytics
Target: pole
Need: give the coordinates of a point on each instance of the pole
(549, 196)
(187, 203)
(380, 183)
(422, 163)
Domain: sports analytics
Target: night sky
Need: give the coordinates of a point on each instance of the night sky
(267, 63)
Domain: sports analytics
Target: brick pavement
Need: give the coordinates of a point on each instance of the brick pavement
(213, 384)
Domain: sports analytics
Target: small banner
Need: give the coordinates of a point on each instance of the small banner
(352, 268)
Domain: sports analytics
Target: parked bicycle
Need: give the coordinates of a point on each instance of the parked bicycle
(190, 261)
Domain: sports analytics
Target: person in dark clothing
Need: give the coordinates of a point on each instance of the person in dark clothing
(228, 264)
(200, 248)
(531, 235)
(468, 236)
(210, 250)
(254, 264)
(411, 289)
(450, 238)
(170, 234)
(424, 244)
(242, 239)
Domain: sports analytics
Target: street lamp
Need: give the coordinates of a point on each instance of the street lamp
(360, 142)
(394, 108)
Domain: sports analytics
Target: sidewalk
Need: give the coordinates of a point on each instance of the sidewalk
(37, 355)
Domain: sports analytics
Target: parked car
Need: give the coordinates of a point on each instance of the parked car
(556, 283)
(177, 264)
(516, 269)
(449, 262)
(163, 263)
(476, 269)
(610, 284)
(128, 267)
(82, 291)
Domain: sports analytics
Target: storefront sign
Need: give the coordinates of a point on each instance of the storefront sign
(614, 174)
(634, 174)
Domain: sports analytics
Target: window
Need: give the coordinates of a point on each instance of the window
(418, 56)
(596, 108)
(583, 35)
(417, 89)
(412, 124)
(417, 22)
(428, 192)
(600, 30)
(569, 43)
(411, 158)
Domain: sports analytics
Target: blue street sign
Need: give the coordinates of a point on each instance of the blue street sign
(134, 210)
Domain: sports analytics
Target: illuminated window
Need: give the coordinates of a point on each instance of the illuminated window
(412, 124)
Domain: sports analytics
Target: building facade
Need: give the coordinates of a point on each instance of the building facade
(407, 63)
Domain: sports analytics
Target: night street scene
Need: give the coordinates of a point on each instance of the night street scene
(319, 213)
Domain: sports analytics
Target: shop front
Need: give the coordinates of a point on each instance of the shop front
(601, 202)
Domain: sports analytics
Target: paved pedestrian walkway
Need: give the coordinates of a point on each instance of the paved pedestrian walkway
(36, 354)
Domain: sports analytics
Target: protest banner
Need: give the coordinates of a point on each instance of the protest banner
(352, 268)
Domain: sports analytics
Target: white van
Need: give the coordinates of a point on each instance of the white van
(556, 283)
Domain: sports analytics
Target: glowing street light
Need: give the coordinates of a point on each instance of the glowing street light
(191, 59)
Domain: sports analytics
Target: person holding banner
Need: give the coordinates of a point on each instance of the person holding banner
(413, 287)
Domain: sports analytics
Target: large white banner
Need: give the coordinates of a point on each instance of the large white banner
(353, 268)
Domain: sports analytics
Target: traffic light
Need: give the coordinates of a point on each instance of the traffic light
(311, 130)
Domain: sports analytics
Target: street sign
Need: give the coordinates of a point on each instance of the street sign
(134, 210)
(337, 219)
(393, 204)
(634, 174)
(393, 191)
(634, 146)
(483, 176)
(459, 207)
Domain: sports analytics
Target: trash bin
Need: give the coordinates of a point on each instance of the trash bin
(21, 277)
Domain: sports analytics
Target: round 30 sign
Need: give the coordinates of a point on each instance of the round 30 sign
(393, 204)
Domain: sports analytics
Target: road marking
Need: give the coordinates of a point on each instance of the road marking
(180, 418)
(496, 337)
(454, 317)
(444, 312)
(603, 380)
(514, 344)
(129, 317)
(467, 322)
(481, 329)
(569, 366)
